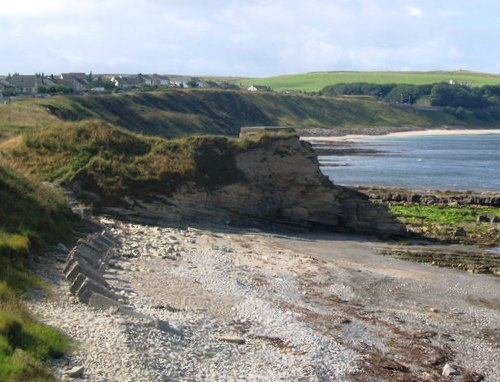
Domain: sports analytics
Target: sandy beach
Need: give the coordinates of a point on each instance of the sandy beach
(250, 305)
(402, 134)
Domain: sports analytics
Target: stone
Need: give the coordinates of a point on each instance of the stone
(482, 219)
(109, 240)
(89, 286)
(449, 371)
(75, 372)
(78, 253)
(460, 232)
(82, 267)
(232, 339)
(101, 302)
(164, 326)
(77, 283)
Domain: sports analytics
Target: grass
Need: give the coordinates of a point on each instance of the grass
(24, 343)
(181, 113)
(19, 117)
(443, 222)
(34, 216)
(438, 214)
(314, 82)
(177, 113)
(113, 162)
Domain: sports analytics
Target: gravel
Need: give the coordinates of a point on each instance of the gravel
(223, 306)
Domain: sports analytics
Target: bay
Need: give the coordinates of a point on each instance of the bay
(449, 162)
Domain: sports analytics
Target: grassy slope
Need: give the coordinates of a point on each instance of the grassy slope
(177, 113)
(318, 80)
(113, 162)
(33, 216)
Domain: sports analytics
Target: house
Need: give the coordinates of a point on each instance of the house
(77, 81)
(6, 88)
(129, 82)
(258, 88)
(124, 82)
(179, 82)
(25, 84)
(158, 80)
(143, 79)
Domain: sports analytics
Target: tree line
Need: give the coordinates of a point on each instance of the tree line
(438, 94)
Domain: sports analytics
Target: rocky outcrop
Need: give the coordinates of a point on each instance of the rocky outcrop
(443, 198)
(281, 185)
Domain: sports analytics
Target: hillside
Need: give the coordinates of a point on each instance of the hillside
(264, 178)
(33, 216)
(178, 113)
(315, 81)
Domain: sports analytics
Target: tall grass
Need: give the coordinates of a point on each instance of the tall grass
(33, 216)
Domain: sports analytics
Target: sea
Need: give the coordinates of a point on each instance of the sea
(432, 162)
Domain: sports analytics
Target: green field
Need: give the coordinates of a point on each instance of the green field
(315, 81)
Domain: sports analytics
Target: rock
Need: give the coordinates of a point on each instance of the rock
(449, 371)
(280, 184)
(482, 219)
(460, 232)
(232, 339)
(75, 372)
(164, 326)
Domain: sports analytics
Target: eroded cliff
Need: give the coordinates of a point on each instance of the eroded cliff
(280, 183)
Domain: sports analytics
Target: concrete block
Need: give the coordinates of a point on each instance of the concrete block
(87, 244)
(82, 267)
(77, 283)
(101, 302)
(89, 286)
(111, 242)
(110, 237)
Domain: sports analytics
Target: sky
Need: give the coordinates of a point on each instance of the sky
(250, 38)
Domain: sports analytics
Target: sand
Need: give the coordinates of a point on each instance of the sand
(417, 133)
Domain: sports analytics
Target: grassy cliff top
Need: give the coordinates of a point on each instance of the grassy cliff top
(110, 162)
(316, 81)
(180, 113)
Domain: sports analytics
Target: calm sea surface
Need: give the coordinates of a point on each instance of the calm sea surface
(454, 162)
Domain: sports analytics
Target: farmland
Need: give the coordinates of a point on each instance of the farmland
(315, 81)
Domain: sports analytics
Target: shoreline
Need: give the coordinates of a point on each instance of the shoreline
(211, 304)
(414, 133)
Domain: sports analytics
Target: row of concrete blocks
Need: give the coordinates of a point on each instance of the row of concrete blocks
(84, 270)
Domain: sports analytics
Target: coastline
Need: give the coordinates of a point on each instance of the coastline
(413, 133)
(212, 303)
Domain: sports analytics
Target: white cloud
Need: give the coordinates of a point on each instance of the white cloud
(252, 37)
(414, 11)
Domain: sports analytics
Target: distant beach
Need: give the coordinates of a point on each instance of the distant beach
(404, 134)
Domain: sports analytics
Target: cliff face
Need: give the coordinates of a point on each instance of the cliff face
(282, 184)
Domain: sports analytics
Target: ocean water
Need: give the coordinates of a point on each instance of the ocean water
(451, 162)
